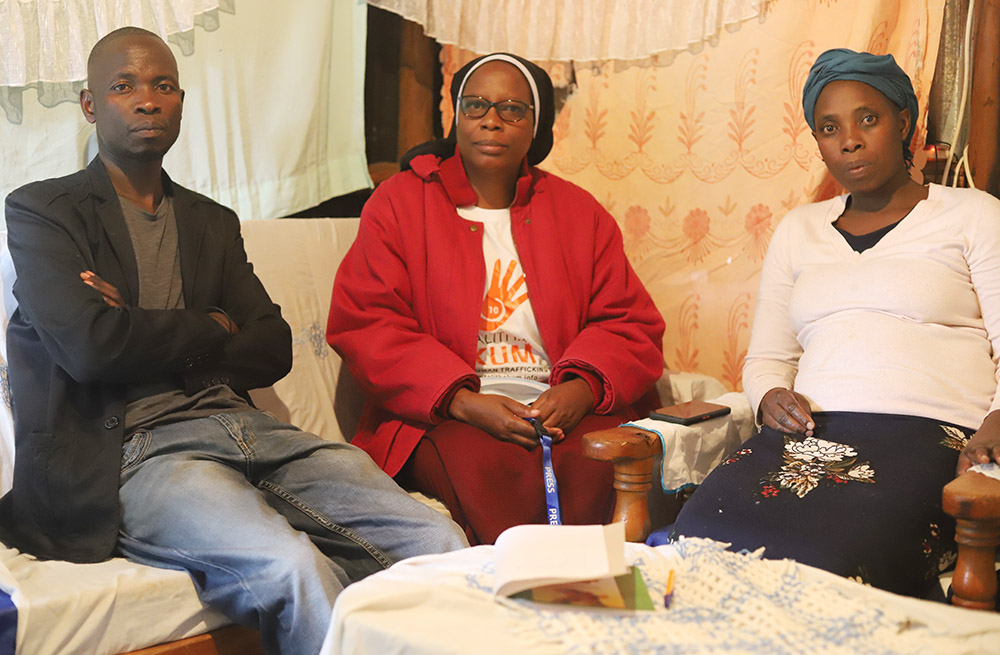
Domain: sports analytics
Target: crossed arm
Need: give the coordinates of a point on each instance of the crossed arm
(113, 298)
(105, 337)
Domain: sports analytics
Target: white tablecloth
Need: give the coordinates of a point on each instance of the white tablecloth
(724, 603)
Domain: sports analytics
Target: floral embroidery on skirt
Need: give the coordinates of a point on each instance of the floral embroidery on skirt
(940, 554)
(815, 499)
(954, 438)
(810, 460)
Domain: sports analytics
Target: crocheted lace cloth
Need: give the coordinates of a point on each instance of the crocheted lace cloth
(723, 602)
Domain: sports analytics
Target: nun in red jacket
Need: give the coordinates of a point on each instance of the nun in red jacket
(482, 291)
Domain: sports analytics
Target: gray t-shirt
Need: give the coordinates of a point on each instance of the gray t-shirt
(154, 239)
(158, 258)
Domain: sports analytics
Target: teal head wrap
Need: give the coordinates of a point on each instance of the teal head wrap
(878, 71)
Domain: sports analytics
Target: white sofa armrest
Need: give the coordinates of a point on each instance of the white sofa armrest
(684, 386)
(690, 452)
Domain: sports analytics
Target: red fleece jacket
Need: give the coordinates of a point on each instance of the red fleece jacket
(406, 302)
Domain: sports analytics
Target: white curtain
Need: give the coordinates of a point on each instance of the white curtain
(44, 43)
(577, 30)
(273, 116)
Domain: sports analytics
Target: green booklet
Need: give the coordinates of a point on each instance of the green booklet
(625, 592)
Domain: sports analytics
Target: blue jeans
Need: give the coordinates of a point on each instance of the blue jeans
(271, 522)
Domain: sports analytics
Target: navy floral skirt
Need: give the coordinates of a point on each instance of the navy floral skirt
(860, 498)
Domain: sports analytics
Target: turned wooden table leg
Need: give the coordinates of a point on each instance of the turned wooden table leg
(633, 480)
(974, 500)
(632, 452)
(975, 583)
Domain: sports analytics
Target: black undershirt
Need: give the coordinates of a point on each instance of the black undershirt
(862, 242)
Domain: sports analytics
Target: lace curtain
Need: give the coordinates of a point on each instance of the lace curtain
(273, 112)
(577, 30)
(44, 43)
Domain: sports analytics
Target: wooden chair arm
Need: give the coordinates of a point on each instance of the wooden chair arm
(974, 500)
(632, 451)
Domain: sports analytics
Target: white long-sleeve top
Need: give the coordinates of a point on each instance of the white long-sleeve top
(910, 326)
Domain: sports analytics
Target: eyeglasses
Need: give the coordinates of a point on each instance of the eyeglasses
(509, 111)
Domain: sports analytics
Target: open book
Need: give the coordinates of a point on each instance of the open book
(569, 564)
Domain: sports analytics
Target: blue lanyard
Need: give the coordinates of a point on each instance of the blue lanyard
(553, 514)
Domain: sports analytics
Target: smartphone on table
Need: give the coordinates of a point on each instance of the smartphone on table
(694, 411)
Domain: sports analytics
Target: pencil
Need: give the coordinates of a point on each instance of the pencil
(669, 594)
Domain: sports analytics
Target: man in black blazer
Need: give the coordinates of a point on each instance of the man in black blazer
(139, 330)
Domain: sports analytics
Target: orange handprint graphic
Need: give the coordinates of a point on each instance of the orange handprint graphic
(500, 302)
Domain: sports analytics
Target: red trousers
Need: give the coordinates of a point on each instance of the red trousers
(490, 485)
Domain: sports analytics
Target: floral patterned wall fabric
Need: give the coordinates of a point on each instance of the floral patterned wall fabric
(699, 160)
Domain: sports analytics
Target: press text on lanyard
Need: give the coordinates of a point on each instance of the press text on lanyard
(553, 513)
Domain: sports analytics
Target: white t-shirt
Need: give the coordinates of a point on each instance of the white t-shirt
(510, 358)
(910, 326)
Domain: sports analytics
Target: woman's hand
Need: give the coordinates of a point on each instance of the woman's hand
(984, 446)
(563, 406)
(786, 411)
(500, 416)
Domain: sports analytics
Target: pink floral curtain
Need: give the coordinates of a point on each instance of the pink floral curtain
(699, 160)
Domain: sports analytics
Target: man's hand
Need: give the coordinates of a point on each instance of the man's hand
(225, 322)
(786, 411)
(110, 293)
(563, 406)
(500, 416)
(984, 446)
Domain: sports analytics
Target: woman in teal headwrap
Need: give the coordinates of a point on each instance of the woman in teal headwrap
(872, 363)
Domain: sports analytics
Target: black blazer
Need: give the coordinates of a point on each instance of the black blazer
(72, 357)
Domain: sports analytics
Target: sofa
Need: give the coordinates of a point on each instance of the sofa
(120, 607)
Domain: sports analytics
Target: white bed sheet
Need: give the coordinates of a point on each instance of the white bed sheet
(99, 609)
(724, 603)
